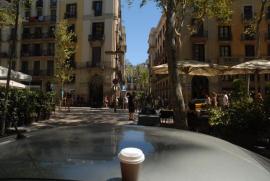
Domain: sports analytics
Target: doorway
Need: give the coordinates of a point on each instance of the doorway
(96, 92)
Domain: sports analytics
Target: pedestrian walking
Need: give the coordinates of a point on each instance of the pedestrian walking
(68, 101)
(225, 100)
(214, 99)
(125, 102)
(106, 101)
(131, 106)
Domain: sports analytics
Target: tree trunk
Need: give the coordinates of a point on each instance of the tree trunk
(258, 24)
(176, 95)
(11, 58)
(258, 40)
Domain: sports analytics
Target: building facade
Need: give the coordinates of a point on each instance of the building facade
(98, 28)
(225, 44)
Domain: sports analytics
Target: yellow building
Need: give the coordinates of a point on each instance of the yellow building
(98, 28)
(216, 43)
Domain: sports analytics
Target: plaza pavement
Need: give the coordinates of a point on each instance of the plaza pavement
(76, 117)
(83, 116)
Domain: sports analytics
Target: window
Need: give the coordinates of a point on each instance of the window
(37, 50)
(224, 32)
(25, 50)
(24, 67)
(51, 31)
(71, 11)
(97, 7)
(225, 51)
(50, 68)
(36, 70)
(53, 15)
(268, 12)
(38, 32)
(53, 3)
(39, 12)
(51, 49)
(198, 52)
(249, 50)
(27, 14)
(248, 12)
(39, 3)
(96, 56)
(98, 30)
(26, 33)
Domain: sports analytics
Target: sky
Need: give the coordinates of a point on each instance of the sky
(138, 22)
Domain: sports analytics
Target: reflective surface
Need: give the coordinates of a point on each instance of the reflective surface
(90, 153)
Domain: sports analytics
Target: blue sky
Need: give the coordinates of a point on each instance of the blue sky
(138, 22)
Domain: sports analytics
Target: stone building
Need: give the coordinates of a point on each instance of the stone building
(216, 43)
(98, 28)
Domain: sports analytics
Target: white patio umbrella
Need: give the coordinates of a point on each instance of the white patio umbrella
(13, 84)
(256, 66)
(193, 67)
(14, 75)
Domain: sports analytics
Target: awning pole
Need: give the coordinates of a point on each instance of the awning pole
(248, 84)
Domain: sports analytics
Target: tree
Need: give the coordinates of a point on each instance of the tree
(12, 10)
(179, 14)
(142, 75)
(7, 14)
(65, 48)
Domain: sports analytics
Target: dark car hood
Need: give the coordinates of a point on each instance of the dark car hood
(90, 153)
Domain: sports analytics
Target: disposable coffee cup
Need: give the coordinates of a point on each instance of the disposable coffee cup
(130, 160)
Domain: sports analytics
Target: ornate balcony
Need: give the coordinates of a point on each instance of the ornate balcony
(247, 18)
(201, 36)
(69, 15)
(96, 40)
(225, 38)
(37, 37)
(247, 37)
(40, 20)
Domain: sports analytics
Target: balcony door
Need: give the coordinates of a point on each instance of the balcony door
(198, 52)
(248, 12)
(36, 70)
(96, 56)
(98, 30)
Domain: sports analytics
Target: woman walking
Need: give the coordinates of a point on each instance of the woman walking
(131, 106)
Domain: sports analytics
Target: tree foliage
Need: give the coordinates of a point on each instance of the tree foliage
(65, 48)
(7, 14)
(8, 11)
(138, 74)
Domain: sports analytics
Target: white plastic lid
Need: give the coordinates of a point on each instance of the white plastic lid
(131, 156)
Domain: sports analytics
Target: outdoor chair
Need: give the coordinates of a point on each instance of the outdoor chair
(166, 118)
